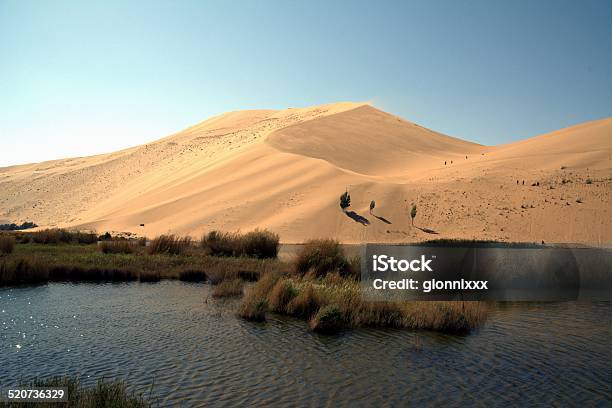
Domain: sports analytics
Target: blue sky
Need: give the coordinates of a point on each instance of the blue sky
(79, 77)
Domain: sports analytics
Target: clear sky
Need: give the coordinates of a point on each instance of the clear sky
(80, 77)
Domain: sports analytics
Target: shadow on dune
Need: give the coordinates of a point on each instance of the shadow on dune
(357, 218)
(383, 219)
(427, 230)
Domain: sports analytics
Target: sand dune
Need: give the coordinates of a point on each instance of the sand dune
(284, 170)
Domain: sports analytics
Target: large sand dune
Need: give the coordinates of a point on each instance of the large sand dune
(285, 170)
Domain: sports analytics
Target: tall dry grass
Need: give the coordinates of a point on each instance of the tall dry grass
(320, 257)
(306, 298)
(260, 244)
(169, 244)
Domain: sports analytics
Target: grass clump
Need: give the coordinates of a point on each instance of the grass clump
(322, 256)
(7, 244)
(281, 294)
(117, 246)
(328, 320)
(255, 304)
(104, 394)
(230, 288)
(169, 244)
(260, 244)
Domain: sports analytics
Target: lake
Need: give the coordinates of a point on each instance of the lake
(177, 345)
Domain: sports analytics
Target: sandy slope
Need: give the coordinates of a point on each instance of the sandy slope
(284, 170)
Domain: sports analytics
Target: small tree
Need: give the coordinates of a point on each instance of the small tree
(372, 205)
(413, 213)
(345, 200)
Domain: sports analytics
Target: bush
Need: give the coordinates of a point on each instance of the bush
(322, 256)
(117, 246)
(231, 288)
(260, 244)
(589, 181)
(169, 244)
(7, 244)
(328, 320)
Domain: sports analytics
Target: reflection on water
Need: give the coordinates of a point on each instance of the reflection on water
(172, 341)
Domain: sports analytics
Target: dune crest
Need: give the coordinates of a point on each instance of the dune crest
(285, 170)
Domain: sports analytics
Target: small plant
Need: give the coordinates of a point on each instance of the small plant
(589, 181)
(372, 205)
(345, 201)
(579, 200)
(413, 213)
(7, 244)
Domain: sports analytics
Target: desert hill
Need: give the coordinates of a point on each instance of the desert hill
(284, 170)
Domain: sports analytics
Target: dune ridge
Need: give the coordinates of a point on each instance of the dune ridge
(284, 170)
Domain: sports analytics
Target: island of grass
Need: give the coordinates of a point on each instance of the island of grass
(320, 285)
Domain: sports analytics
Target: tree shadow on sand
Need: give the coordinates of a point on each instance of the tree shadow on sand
(357, 218)
(383, 219)
(427, 230)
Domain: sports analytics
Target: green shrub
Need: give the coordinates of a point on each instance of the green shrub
(7, 244)
(328, 320)
(322, 256)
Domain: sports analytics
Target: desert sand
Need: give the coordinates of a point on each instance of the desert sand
(285, 170)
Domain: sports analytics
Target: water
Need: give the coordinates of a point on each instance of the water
(173, 343)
